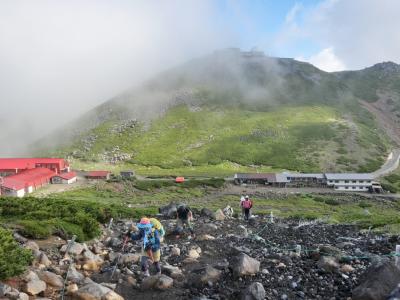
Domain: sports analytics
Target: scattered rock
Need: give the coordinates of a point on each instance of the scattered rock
(75, 249)
(205, 237)
(32, 245)
(160, 282)
(255, 291)
(219, 215)
(34, 285)
(51, 279)
(175, 251)
(346, 269)
(193, 254)
(205, 212)
(377, 282)
(95, 291)
(245, 265)
(130, 258)
(75, 276)
(328, 264)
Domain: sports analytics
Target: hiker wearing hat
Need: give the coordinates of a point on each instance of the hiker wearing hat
(151, 245)
(247, 205)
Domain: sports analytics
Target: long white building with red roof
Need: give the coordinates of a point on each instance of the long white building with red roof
(20, 176)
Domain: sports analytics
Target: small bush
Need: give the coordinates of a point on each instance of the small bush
(364, 204)
(389, 187)
(13, 258)
(332, 202)
(319, 199)
(36, 229)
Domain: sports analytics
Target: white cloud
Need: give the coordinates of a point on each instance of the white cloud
(362, 32)
(325, 60)
(60, 58)
(293, 12)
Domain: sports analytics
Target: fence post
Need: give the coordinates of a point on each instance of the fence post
(298, 249)
(110, 224)
(397, 259)
(71, 242)
(271, 217)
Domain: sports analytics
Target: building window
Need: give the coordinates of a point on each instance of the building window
(336, 181)
(354, 181)
(346, 181)
(353, 187)
(361, 181)
(346, 187)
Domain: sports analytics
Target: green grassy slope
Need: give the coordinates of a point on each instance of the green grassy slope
(293, 138)
(229, 112)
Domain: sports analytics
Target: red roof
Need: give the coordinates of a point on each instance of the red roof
(67, 176)
(30, 163)
(98, 173)
(31, 177)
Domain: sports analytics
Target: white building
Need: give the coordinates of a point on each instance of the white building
(349, 181)
(64, 178)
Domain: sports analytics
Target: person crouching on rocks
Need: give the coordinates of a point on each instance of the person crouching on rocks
(247, 205)
(184, 217)
(151, 245)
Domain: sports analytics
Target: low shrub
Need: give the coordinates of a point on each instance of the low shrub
(332, 202)
(13, 258)
(364, 204)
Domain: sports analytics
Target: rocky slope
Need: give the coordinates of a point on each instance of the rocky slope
(229, 259)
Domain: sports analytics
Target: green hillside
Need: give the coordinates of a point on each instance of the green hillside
(233, 111)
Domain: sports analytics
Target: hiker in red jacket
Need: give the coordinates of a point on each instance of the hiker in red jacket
(247, 205)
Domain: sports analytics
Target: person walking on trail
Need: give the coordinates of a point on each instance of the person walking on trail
(241, 205)
(151, 245)
(184, 217)
(247, 205)
(158, 226)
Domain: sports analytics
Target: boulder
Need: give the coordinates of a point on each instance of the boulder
(242, 231)
(75, 276)
(19, 238)
(219, 215)
(245, 265)
(346, 269)
(72, 288)
(205, 237)
(193, 254)
(205, 212)
(329, 250)
(44, 260)
(95, 291)
(4, 289)
(32, 245)
(328, 264)
(210, 226)
(175, 251)
(210, 275)
(23, 296)
(160, 282)
(34, 285)
(130, 258)
(172, 271)
(89, 255)
(92, 265)
(169, 210)
(75, 249)
(51, 279)
(377, 282)
(255, 291)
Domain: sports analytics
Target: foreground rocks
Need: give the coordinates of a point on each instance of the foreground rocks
(227, 260)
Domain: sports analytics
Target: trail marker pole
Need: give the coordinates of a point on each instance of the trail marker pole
(397, 260)
(271, 217)
(298, 249)
(110, 224)
(71, 242)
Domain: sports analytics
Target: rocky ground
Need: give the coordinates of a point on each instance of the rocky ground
(228, 259)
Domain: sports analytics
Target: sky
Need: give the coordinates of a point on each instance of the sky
(60, 58)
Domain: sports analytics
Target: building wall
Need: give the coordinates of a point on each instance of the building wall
(13, 193)
(351, 188)
(349, 182)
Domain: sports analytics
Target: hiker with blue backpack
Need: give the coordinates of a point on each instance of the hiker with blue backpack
(151, 245)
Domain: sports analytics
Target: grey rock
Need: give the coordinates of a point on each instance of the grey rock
(245, 265)
(255, 291)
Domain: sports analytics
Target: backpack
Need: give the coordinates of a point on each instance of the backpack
(247, 204)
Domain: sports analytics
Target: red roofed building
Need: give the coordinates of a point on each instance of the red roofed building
(65, 178)
(98, 175)
(9, 166)
(26, 182)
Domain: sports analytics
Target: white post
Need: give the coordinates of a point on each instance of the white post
(271, 217)
(298, 249)
(110, 224)
(397, 260)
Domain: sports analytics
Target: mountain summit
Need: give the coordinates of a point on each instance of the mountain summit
(239, 110)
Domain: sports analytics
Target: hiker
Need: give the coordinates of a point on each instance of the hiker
(157, 225)
(151, 245)
(241, 205)
(247, 205)
(184, 217)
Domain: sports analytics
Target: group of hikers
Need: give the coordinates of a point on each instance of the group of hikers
(151, 232)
